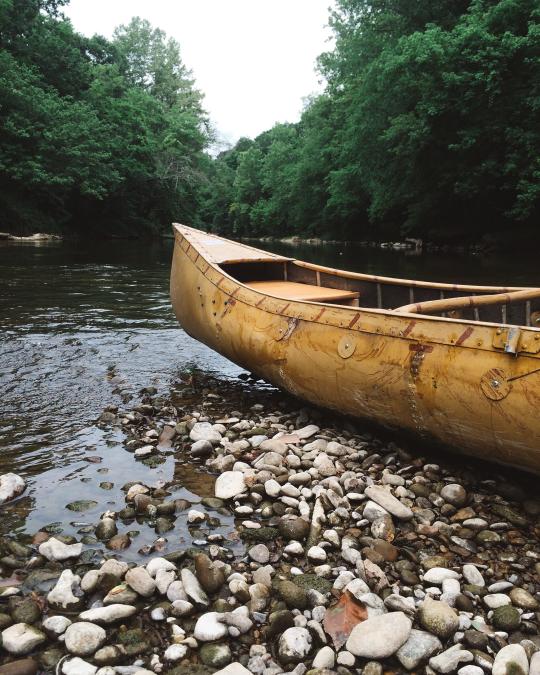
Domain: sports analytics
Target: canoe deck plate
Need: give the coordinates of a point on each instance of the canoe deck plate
(495, 384)
(346, 347)
(513, 341)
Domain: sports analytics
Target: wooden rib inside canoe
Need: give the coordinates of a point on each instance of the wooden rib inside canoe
(458, 364)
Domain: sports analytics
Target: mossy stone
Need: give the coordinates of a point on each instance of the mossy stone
(506, 618)
(261, 534)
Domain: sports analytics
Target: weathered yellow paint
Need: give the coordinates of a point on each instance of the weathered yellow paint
(424, 374)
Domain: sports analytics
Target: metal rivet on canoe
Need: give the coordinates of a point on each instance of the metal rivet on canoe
(346, 347)
(495, 385)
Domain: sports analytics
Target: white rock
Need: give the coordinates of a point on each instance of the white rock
(193, 588)
(419, 647)
(294, 644)
(83, 638)
(272, 488)
(511, 659)
(176, 591)
(116, 568)
(494, 600)
(233, 669)
(157, 564)
(259, 553)
(387, 500)
(77, 666)
(472, 575)
(56, 624)
(144, 451)
(204, 431)
(90, 581)
(195, 516)
(345, 658)
(436, 575)
(140, 581)
(62, 595)
(449, 660)
(373, 511)
(379, 637)
(208, 628)
(534, 666)
(108, 614)
(136, 490)
(181, 607)
(175, 652)
(21, 638)
(164, 579)
(11, 486)
(470, 670)
(316, 554)
(294, 548)
(53, 549)
(325, 658)
(229, 484)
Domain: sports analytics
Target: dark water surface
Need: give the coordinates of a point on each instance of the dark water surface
(85, 325)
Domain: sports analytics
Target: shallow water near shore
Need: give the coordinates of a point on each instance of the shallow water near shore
(86, 325)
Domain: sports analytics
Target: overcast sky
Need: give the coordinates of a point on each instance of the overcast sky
(253, 59)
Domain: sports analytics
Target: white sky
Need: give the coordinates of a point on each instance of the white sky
(253, 59)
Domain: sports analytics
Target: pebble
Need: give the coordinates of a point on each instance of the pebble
(511, 660)
(325, 658)
(65, 593)
(56, 550)
(454, 494)
(140, 581)
(56, 625)
(436, 575)
(235, 668)
(438, 618)
(193, 588)
(204, 431)
(83, 638)
(449, 660)
(21, 639)
(495, 600)
(77, 666)
(380, 636)
(419, 646)
(473, 576)
(11, 486)
(259, 553)
(390, 503)
(294, 645)
(229, 484)
(209, 628)
(108, 614)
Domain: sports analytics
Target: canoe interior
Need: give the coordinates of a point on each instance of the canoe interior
(377, 292)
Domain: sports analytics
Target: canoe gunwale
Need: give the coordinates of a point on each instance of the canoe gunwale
(416, 328)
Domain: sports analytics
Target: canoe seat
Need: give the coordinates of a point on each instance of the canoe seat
(290, 290)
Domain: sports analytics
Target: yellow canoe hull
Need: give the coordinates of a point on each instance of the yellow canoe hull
(441, 379)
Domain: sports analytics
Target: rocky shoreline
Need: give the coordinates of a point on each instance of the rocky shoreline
(348, 554)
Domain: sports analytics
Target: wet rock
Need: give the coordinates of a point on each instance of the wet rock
(470, 670)
(388, 502)
(418, 648)
(24, 610)
(175, 652)
(506, 618)
(454, 494)
(229, 484)
(21, 639)
(11, 486)
(210, 576)
(294, 645)
(380, 636)
(19, 667)
(119, 542)
(55, 550)
(296, 529)
(106, 528)
(511, 660)
(438, 618)
(202, 448)
(83, 638)
(215, 655)
(81, 505)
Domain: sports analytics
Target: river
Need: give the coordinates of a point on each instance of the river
(89, 324)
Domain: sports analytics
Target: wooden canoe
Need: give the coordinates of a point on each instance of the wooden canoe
(455, 364)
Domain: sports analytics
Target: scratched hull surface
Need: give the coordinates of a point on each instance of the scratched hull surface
(443, 379)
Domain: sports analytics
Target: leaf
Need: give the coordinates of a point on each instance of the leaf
(342, 617)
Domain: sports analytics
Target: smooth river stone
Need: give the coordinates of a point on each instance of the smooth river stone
(382, 497)
(511, 659)
(229, 484)
(379, 637)
(418, 648)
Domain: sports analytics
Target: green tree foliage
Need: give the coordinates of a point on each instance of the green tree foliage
(429, 125)
(95, 134)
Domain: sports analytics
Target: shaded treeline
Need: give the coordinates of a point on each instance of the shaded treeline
(429, 126)
(95, 135)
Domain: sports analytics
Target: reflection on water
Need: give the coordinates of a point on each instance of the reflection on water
(86, 325)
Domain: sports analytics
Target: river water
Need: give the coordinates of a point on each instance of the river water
(86, 325)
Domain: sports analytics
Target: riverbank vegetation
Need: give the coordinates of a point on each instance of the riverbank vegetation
(428, 126)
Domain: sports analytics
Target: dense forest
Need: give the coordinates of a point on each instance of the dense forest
(428, 126)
